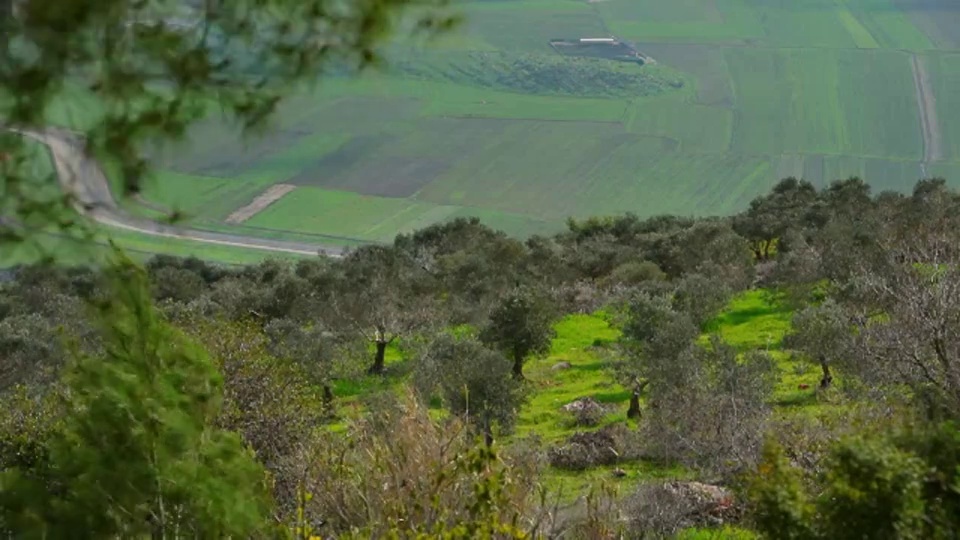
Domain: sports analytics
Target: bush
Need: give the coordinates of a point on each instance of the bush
(399, 474)
(901, 486)
(666, 508)
(586, 412)
(606, 446)
(474, 382)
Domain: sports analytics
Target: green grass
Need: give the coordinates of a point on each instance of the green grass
(725, 533)
(528, 25)
(861, 35)
(706, 64)
(816, 103)
(753, 320)
(758, 320)
(587, 377)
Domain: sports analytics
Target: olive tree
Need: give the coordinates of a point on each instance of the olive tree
(520, 325)
(378, 297)
(824, 334)
(710, 407)
(653, 334)
(473, 381)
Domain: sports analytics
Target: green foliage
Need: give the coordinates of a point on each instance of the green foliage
(823, 334)
(520, 325)
(770, 216)
(782, 507)
(899, 486)
(154, 75)
(400, 474)
(137, 452)
(270, 401)
(474, 382)
(26, 426)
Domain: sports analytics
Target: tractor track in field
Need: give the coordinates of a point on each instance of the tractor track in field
(927, 106)
(83, 178)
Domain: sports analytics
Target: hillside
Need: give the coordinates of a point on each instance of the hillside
(571, 270)
(673, 377)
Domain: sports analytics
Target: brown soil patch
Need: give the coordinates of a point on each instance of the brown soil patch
(265, 199)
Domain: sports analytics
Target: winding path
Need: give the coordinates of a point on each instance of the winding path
(927, 106)
(81, 176)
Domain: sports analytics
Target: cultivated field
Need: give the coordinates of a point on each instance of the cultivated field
(494, 122)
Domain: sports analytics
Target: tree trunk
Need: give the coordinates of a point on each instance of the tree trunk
(827, 379)
(488, 436)
(518, 367)
(634, 410)
(378, 361)
(327, 396)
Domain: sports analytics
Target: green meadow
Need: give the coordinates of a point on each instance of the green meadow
(491, 121)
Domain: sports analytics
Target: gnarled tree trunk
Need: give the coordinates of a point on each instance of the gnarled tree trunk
(327, 396)
(827, 379)
(634, 410)
(379, 362)
(518, 367)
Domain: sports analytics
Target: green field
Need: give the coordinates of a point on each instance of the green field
(493, 122)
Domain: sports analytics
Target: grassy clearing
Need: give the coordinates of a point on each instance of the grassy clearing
(577, 341)
(754, 320)
(757, 320)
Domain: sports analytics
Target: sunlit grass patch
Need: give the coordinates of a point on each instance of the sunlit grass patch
(587, 376)
(753, 320)
(569, 485)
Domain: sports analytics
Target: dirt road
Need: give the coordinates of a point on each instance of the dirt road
(83, 177)
(927, 105)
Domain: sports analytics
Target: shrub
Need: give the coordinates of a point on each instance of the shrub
(399, 474)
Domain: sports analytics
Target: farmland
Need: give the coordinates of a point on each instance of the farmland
(493, 121)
